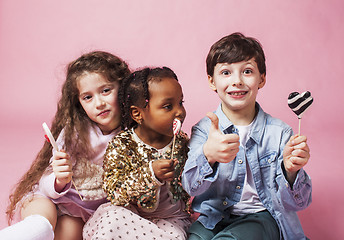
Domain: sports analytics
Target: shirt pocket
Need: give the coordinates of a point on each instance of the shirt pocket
(268, 160)
(268, 168)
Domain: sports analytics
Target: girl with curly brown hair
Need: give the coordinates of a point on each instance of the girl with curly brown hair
(87, 118)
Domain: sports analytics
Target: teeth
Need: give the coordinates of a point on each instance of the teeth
(237, 93)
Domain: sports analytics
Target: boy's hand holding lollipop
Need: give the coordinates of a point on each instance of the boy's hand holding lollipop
(296, 151)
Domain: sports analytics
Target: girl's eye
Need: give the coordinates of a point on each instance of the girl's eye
(87, 97)
(225, 72)
(168, 106)
(106, 90)
(181, 103)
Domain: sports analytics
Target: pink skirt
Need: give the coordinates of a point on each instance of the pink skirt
(117, 222)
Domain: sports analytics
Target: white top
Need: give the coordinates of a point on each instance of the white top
(249, 201)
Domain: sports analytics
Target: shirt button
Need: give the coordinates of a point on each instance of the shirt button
(199, 182)
(238, 187)
(225, 203)
(240, 161)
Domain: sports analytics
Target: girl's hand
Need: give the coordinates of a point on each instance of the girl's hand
(62, 168)
(164, 169)
(295, 156)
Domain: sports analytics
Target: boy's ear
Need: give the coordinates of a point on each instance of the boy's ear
(262, 81)
(136, 114)
(211, 83)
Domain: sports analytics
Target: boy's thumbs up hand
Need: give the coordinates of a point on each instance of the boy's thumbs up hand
(220, 147)
(214, 122)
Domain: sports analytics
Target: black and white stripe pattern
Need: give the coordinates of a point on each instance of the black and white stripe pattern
(299, 102)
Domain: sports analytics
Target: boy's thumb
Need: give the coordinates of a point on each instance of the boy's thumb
(214, 121)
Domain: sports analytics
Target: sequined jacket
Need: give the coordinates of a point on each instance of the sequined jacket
(127, 175)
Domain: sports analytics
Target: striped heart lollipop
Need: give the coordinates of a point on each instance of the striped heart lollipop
(299, 102)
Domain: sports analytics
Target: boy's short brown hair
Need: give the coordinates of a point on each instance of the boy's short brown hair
(235, 48)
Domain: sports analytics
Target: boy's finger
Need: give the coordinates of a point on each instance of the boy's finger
(301, 145)
(214, 121)
(298, 139)
(232, 138)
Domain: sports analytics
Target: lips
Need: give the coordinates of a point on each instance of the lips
(103, 113)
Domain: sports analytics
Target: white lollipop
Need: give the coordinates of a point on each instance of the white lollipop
(52, 141)
(176, 128)
(50, 136)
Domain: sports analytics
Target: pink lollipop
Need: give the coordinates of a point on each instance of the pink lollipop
(176, 126)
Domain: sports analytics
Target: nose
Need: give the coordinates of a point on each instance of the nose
(181, 113)
(100, 102)
(236, 79)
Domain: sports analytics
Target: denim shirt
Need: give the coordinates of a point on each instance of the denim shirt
(219, 187)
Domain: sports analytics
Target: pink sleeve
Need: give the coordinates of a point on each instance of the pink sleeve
(47, 186)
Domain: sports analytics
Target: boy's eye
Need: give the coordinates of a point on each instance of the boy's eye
(247, 71)
(225, 72)
(181, 103)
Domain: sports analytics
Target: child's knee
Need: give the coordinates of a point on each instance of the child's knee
(42, 206)
(198, 232)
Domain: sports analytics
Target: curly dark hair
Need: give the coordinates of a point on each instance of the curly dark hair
(134, 91)
(71, 117)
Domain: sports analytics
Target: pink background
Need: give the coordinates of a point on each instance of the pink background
(302, 41)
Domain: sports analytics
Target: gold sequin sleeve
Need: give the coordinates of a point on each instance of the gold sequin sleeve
(127, 177)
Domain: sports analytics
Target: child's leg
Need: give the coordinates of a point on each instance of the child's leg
(42, 206)
(198, 232)
(173, 228)
(68, 227)
(257, 226)
(34, 227)
(39, 217)
(116, 222)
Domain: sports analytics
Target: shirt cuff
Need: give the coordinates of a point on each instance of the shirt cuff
(47, 186)
(153, 175)
(206, 171)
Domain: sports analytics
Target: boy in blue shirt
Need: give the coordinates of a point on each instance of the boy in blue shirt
(245, 168)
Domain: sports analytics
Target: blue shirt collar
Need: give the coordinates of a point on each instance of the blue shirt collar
(226, 126)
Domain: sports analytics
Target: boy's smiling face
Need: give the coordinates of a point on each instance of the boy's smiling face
(237, 85)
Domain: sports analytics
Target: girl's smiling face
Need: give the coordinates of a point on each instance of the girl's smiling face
(165, 104)
(237, 85)
(98, 97)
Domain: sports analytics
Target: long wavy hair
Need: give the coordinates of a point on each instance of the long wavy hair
(71, 117)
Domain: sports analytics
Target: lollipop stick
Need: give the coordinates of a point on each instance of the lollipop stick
(299, 126)
(53, 143)
(174, 141)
